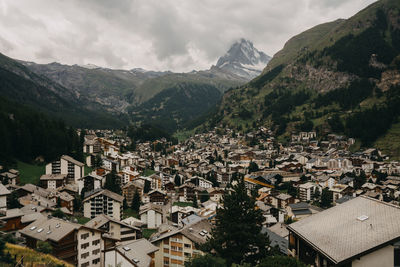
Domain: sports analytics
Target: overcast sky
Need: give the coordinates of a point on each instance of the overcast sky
(177, 35)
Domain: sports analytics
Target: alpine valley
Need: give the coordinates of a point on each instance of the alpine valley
(340, 77)
(100, 97)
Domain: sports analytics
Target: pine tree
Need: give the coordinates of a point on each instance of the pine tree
(113, 182)
(326, 198)
(136, 202)
(237, 236)
(195, 204)
(177, 180)
(147, 186)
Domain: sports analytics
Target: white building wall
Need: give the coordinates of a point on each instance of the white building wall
(383, 257)
(91, 249)
(113, 258)
(3, 202)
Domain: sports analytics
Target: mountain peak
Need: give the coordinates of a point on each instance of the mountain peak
(243, 59)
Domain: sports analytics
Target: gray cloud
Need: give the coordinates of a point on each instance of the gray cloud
(180, 35)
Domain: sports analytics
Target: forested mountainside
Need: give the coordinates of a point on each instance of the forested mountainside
(20, 85)
(342, 76)
(26, 134)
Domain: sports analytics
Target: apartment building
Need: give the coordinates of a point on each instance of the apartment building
(74, 243)
(306, 191)
(180, 245)
(69, 166)
(115, 229)
(102, 201)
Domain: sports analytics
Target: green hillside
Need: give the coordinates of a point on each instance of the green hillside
(341, 76)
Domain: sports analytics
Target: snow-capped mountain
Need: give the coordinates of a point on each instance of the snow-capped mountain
(244, 60)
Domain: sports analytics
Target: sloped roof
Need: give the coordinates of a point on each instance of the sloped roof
(4, 190)
(340, 233)
(137, 251)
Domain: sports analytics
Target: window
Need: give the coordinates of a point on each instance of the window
(85, 255)
(85, 245)
(96, 251)
(188, 255)
(96, 242)
(84, 236)
(95, 261)
(188, 246)
(86, 264)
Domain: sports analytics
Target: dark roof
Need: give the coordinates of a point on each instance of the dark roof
(276, 240)
(299, 206)
(344, 199)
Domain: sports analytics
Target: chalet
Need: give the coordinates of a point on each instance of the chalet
(4, 192)
(73, 243)
(131, 254)
(157, 197)
(91, 145)
(91, 182)
(371, 236)
(339, 191)
(130, 188)
(151, 215)
(114, 228)
(188, 191)
(10, 177)
(53, 181)
(182, 243)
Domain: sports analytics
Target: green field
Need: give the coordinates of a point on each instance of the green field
(130, 213)
(390, 142)
(148, 232)
(30, 173)
(148, 172)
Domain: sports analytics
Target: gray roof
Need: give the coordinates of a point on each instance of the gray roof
(344, 199)
(53, 177)
(340, 233)
(72, 160)
(54, 229)
(276, 240)
(194, 232)
(105, 192)
(137, 251)
(102, 219)
(4, 190)
(299, 206)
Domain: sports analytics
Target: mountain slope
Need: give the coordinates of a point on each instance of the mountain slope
(23, 86)
(334, 77)
(177, 105)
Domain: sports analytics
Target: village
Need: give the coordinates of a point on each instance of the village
(153, 203)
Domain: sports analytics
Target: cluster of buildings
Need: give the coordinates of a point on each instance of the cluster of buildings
(182, 185)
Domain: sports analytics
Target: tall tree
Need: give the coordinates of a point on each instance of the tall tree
(136, 201)
(253, 167)
(326, 198)
(195, 204)
(113, 182)
(238, 240)
(177, 180)
(147, 186)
